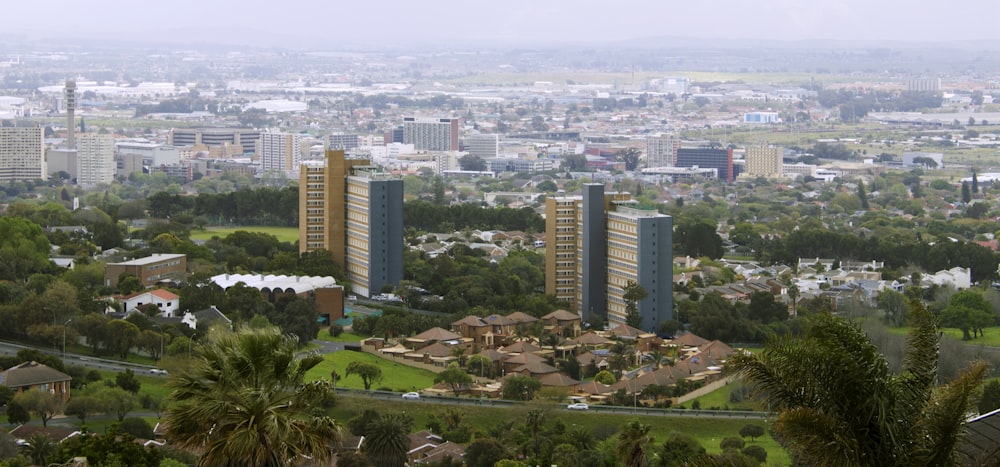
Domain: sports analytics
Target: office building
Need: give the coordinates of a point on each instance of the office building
(355, 211)
(483, 146)
(279, 152)
(721, 159)
(343, 141)
(762, 117)
(661, 151)
(222, 141)
(59, 159)
(22, 153)
(431, 134)
(764, 161)
(599, 242)
(95, 158)
(141, 157)
(150, 270)
(924, 85)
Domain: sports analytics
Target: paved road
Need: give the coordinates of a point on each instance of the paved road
(602, 409)
(9, 348)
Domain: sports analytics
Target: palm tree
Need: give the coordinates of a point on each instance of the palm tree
(386, 441)
(39, 448)
(534, 420)
(634, 444)
(839, 404)
(242, 402)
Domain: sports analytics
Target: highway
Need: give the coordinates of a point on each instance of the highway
(601, 409)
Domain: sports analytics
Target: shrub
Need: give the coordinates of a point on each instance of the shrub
(732, 442)
(336, 330)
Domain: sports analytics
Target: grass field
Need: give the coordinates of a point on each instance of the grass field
(284, 234)
(708, 432)
(396, 376)
(990, 337)
(324, 335)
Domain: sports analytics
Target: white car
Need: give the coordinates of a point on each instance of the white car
(411, 395)
(578, 406)
(157, 371)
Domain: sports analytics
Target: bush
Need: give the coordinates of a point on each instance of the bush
(756, 452)
(336, 330)
(739, 394)
(732, 442)
(136, 427)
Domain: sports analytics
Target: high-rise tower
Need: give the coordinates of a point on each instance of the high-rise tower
(355, 211)
(599, 242)
(70, 94)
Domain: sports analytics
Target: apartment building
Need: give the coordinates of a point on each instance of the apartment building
(661, 151)
(599, 242)
(764, 161)
(431, 134)
(355, 211)
(95, 159)
(486, 146)
(22, 153)
(279, 151)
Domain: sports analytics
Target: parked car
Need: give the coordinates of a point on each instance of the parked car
(578, 406)
(411, 395)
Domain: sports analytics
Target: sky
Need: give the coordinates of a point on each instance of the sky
(329, 22)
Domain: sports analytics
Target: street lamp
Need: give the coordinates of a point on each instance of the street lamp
(64, 337)
(157, 326)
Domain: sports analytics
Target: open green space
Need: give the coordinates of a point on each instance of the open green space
(284, 234)
(396, 376)
(708, 432)
(324, 335)
(720, 399)
(990, 337)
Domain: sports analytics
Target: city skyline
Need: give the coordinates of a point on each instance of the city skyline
(514, 22)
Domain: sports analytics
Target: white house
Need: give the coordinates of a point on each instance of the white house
(959, 278)
(168, 302)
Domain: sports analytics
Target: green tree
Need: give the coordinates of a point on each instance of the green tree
(17, 414)
(484, 452)
(990, 400)
(534, 420)
(127, 381)
(634, 444)
(83, 407)
(117, 401)
(633, 294)
(967, 311)
(369, 373)
(455, 377)
(862, 196)
(838, 403)
(679, 449)
(605, 377)
(752, 431)
(244, 402)
(966, 193)
(121, 337)
(520, 388)
(386, 442)
(43, 404)
(894, 305)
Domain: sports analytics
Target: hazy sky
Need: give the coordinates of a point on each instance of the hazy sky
(328, 22)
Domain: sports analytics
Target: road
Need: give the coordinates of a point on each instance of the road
(8, 348)
(600, 409)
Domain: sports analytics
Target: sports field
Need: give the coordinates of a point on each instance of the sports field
(284, 234)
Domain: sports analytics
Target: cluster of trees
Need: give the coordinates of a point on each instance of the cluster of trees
(258, 206)
(538, 437)
(714, 317)
(430, 217)
(855, 104)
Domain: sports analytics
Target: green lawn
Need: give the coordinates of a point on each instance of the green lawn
(395, 376)
(284, 234)
(719, 399)
(708, 432)
(991, 337)
(324, 335)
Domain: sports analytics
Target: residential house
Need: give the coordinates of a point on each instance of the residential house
(563, 323)
(167, 301)
(33, 375)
